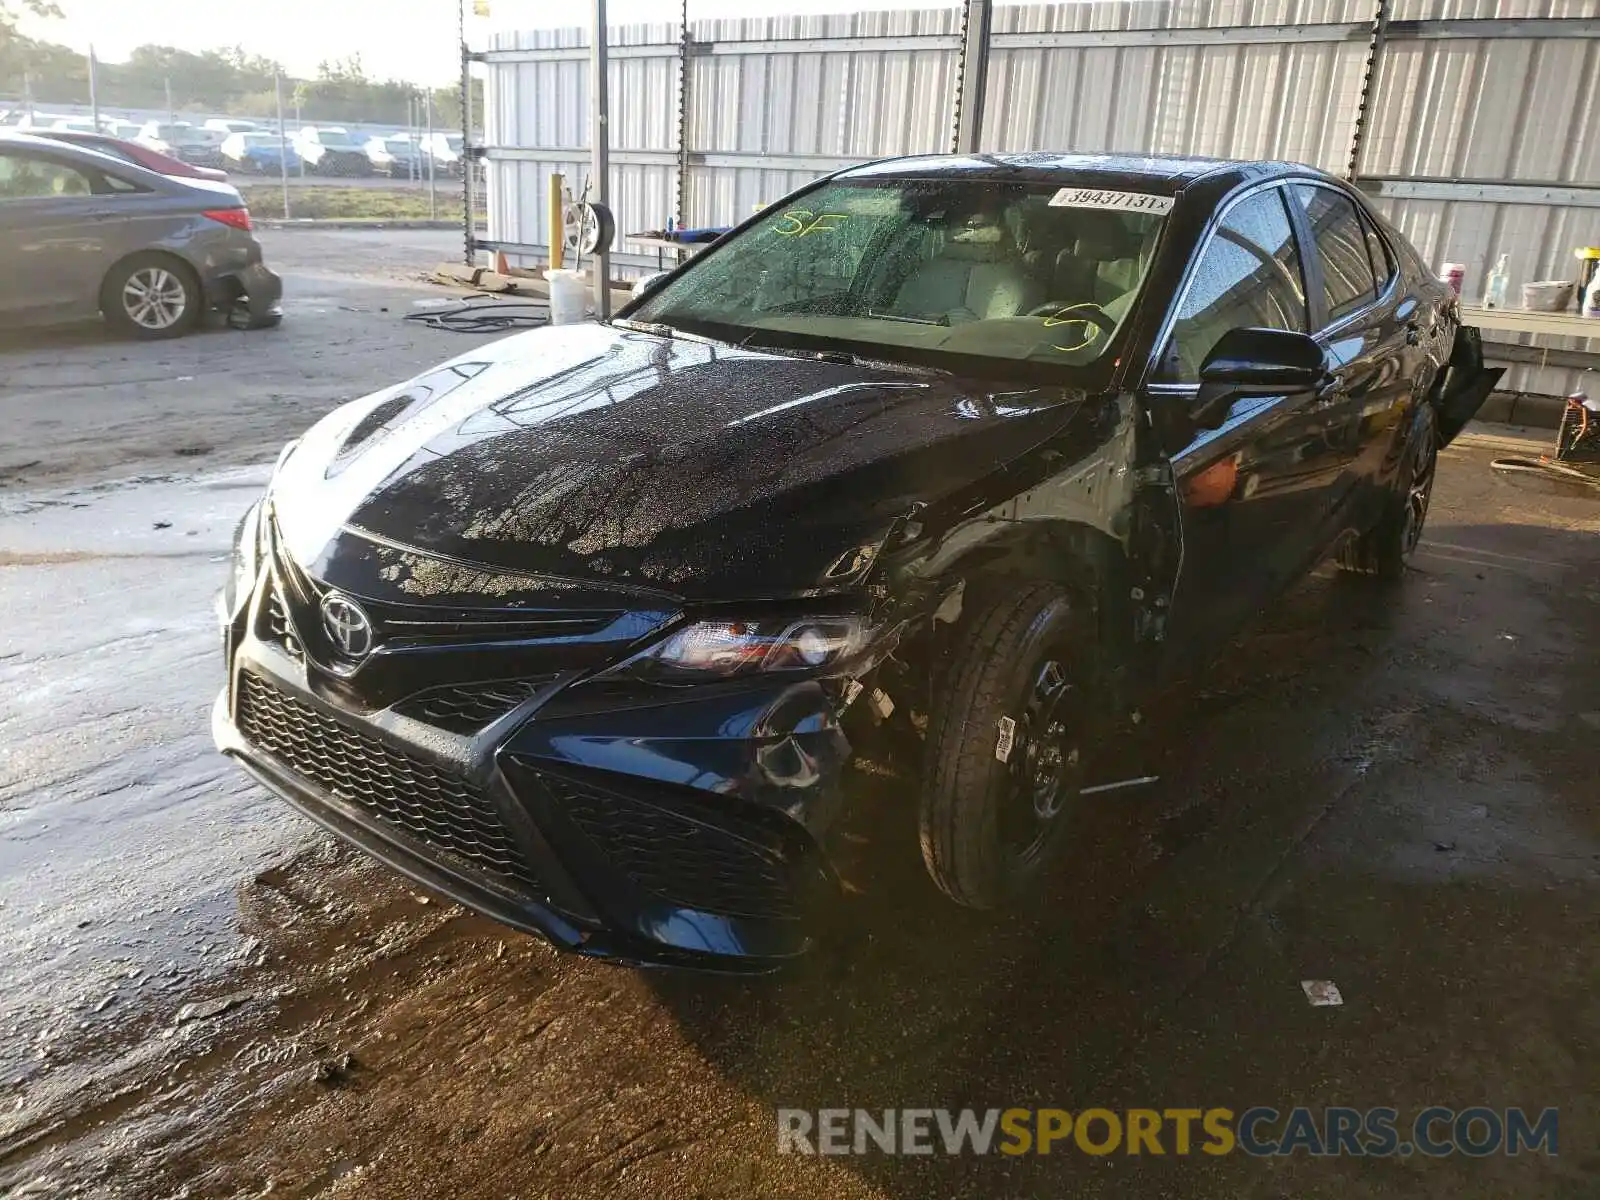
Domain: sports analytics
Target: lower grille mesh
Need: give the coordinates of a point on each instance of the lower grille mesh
(468, 707)
(685, 850)
(417, 797)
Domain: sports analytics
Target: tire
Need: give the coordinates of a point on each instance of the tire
(1383, 551)
(988, 826)
(164, 289)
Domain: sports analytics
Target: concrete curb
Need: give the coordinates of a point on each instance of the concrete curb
(351, 223)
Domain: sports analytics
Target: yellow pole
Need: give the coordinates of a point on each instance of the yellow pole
(558, 184)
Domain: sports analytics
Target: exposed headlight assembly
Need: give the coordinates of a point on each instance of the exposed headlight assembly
(725, 649)
(245, 565)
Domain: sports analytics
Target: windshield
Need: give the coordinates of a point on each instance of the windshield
(334, 139)
(926, 269)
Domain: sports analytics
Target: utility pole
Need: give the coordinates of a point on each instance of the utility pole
(172, 113)
(599, 152)
(427, 148)
(27, 95)
(94, 97)
(410, 124)
(283, 143)
(467, 160)
(972, 81)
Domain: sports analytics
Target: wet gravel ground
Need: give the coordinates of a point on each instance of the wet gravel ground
(204, 996)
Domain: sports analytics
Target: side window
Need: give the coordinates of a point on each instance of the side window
(24, 177)
(1347, 280)
(1248, 276)
(1378, 252)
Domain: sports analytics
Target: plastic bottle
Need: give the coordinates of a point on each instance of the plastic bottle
(1494, 295)
(1591, 298)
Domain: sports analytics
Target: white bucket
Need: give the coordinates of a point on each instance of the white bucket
(569, 296)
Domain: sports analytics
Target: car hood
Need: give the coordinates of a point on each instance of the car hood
(628, 460)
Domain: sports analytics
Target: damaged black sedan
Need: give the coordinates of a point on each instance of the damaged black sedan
(581, 628)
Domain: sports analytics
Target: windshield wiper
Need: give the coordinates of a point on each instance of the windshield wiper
(883, 316)
(839, 356)
(654, 327)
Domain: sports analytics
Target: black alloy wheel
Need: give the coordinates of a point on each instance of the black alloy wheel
(1002, 772)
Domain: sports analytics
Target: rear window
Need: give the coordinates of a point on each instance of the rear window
(1347, 279)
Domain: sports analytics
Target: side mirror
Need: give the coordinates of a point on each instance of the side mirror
(1250, 362)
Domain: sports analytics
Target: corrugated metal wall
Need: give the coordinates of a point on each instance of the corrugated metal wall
(1515, 109)
(1263, 94)
(850, 100)
(537, 123)
(775, 101)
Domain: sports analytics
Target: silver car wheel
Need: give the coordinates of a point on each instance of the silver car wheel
(154, 298)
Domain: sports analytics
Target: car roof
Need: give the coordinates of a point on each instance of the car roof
(1159, 173)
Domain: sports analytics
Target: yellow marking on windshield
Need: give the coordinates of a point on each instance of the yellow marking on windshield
(802, 222)
(1088, 336)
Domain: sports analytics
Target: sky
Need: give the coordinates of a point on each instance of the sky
(403, 39)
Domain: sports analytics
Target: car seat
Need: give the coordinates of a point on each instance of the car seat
(976, 276)
(1103, 264)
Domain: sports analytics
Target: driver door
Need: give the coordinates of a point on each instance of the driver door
(50, 234)
(1248, 492)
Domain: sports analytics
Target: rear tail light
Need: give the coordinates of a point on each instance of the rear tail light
(239, 218)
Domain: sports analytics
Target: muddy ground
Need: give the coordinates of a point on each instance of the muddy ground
(203, 996)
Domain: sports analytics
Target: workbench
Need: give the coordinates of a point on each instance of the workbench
(661, 245)
(1545, 324)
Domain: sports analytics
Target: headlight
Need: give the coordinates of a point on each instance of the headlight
(245, 564)
(723, 649)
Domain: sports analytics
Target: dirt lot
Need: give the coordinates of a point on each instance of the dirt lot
(1393, 790)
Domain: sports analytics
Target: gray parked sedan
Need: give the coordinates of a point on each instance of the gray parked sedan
(82, 232)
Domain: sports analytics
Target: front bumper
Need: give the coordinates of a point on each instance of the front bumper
(685, 834)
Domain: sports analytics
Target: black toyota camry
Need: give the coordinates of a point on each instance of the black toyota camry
(582, 627)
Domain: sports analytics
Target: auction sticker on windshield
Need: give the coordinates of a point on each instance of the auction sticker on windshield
(1079, 197)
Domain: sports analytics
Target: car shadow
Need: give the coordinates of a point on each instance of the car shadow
(92, 331)
(912, 1002)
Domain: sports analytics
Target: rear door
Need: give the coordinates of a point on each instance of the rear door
(1246, 490)
(49, 260)
(1372, 329)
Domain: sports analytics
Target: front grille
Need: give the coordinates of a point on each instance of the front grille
(428, 802)
(468, 707)
(694, 853)
(275, 624)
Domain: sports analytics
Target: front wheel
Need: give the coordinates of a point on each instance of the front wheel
(1002, 775)
(151, 296)
(1384, 550)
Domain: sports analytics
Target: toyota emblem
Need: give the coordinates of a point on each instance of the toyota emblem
(348, 627)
